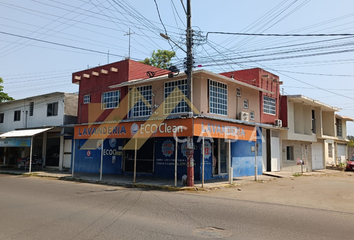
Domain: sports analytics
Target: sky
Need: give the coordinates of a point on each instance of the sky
(42, 42)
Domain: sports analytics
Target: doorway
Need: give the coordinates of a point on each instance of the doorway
(144, 158)
(220, 156)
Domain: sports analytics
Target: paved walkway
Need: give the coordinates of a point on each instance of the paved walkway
(141, 181)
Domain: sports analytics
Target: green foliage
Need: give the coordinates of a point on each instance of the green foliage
(351, 143)
(3, 96)
(160, 59)
(297, 174)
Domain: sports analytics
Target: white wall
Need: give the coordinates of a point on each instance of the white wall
(39, 117)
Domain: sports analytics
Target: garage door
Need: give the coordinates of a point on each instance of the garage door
(317, 156)
(341, 153)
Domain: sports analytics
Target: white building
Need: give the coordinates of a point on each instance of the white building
(42, 120)
(316, 135)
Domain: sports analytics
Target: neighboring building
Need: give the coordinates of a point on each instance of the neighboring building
(341, 141)
(314, 134)
(225, 108)
(42, 117)
(269, 112)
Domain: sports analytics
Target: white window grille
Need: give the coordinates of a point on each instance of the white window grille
(110, 99)
(173, 100)
(87, 98)
(217, 97)
(140, 109)
(269, 106)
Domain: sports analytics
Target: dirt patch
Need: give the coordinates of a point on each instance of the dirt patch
(328, 191)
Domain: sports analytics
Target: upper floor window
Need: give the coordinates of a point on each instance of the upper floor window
(1, 117)
(269, 105)
(31, 108)
(17, 115)
(238, 92)
(139, 107)
(174, 104)
(87, 98)
(252, 115)
(339, 127)
(110, 99)
(217, 97)
(245, 103)
(52, 109)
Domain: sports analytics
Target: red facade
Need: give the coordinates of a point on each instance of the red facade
(263, 79)
(95, 81)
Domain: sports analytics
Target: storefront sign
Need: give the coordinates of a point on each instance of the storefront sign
(15, 142)
(156, 128)
(218, 129)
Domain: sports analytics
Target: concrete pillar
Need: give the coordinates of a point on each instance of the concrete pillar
(44, 148)
(61, 150)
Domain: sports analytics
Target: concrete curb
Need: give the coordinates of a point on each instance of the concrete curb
(121, 184)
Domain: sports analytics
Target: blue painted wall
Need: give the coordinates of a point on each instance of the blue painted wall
(243, 159)
(89, 161)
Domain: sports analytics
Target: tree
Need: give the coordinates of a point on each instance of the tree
(160, 59)
(3, 96)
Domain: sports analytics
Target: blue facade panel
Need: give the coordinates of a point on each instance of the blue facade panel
(243, 159)
(89, 161)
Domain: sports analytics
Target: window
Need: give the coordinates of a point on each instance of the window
(52, 109)
(110, 99)
(174, 99)
(31, 107)
(1, 118)
(245, 103)
(238, 92)
(269, 105)
(217, 97)
(339, 127)
(87, 98)
(140, 109)
(252, 115)
(330, 150)
(313, 121)
(17, 116)
(289, 153)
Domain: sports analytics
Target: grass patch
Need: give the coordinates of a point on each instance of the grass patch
(297, 174)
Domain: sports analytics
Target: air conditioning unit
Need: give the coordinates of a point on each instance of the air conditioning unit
(244, 116)
(278, 123)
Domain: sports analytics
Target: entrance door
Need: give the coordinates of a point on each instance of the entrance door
(317, 156)
(275, 151)
(144, 159)
(220, 156)
(341, 153)
(67, 153)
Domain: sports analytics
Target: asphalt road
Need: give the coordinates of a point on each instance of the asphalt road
(39, 208)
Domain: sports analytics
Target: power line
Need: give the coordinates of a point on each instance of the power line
(59, 44)
(283, 35)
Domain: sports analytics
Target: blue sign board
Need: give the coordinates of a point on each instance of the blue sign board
(15, 142)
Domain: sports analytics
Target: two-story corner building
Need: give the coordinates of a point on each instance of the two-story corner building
(38, 123)
(156, 112)
(316, 135)
(269, 112)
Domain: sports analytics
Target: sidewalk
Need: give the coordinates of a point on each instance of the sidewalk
(141, 181)
(290, 174)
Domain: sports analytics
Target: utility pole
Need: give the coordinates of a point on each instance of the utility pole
(128, 34)
(189, 63)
